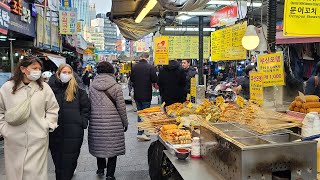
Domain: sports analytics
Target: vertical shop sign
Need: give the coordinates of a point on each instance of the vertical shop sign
(78, 26)
(4, 18)
(16, 7)
(271, 65)
(68, 20)
(193, 89)
(67, 3)
(161, 46)
(256, 87)
(301, 18)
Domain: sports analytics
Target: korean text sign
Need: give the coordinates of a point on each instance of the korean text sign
(4, 18)
(271, 65)
(256, 87)
(301, 18)
(161, 46)
(68, 20)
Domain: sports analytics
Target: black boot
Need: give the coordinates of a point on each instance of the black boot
(110, 178)
(100, 172)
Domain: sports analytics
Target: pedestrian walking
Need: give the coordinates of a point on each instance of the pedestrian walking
(28, 111)
(143, 75)
(66, 140)
(108, 120)
(172, 89)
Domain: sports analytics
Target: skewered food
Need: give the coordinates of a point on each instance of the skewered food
(148, 110)
(309, 98)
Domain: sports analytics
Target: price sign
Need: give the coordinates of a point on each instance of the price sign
(163, 104)
(188, 97)
(302, 97)
(190, 105)
(240, 101)
(219, 100)
(178, 119)
(198, 109)
(169, 112)
(208, 117)
(180, 125)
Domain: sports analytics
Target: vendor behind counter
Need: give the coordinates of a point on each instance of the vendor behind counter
(313, 83)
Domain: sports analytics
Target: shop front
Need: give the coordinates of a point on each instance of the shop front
(17, 34)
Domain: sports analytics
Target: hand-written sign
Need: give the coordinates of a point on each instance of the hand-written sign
(272, 67)
(256, 87)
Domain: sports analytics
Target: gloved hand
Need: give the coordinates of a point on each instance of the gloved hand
(125, 129)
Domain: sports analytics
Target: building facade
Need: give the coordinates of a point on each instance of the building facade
(92, 12)
(82, 11)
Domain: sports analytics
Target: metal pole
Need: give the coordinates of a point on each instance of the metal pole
(44, 23)
(201, 51)
(11, 58)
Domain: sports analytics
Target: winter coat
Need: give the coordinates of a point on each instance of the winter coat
(172, 81)
(142, 76)
(26, 145)
(190, 73)
(107, 122)
(66, 140)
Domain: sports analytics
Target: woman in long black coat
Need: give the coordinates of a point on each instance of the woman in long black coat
(171, 82)
(65, 142)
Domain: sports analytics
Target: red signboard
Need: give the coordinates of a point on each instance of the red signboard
(228, 12)
(4, 18)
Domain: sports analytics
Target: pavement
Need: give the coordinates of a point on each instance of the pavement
(132, 166)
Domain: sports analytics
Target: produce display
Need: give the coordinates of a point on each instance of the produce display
(173, 135)
(312, 104)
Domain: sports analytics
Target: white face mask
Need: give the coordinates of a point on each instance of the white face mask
(34, 75)
(65, 77)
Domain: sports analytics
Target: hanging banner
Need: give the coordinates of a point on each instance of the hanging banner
(272, 67)
(193, 89)
(161, 50)
(301, 18)
(256, 87)
(66, 3)
(68, 20)
(229, 14)
(52, 43)
(78, 26)
(4, 18)
(226, 43)
(141, 46)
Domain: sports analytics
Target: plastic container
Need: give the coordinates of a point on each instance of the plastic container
(195, 148)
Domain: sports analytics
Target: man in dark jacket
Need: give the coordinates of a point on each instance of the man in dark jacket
(313, 85)
(172, 81)
(190, 73)
(143, 75)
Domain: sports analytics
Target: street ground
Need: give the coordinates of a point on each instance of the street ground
(132, 166)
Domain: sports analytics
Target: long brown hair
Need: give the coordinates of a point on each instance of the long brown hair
(18, 74)
(72, 88)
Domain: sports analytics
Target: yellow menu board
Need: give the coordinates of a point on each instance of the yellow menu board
(301, 18)
(226, 43)
(187, 47)
(256, 87)
(272, 67)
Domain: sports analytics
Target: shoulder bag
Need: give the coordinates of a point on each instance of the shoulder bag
(20, 113)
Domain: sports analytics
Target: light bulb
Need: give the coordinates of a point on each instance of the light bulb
(250, 40)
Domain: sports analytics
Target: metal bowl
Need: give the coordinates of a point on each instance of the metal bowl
(182, 153)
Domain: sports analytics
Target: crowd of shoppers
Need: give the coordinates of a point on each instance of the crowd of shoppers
(38, 114)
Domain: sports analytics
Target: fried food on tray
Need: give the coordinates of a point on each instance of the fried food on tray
(308, 105)
(313, 110)
(149, 110)
(309, 98)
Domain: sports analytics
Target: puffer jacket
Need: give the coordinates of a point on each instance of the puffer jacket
(107, 123)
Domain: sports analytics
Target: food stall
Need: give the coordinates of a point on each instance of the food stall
(238, 140)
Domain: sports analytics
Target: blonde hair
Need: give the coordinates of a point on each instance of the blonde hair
(72, 88)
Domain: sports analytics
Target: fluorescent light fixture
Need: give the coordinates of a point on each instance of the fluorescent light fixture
(150, 5)
(11, 39)
(191, 29)
(198, 13)
(3, 58)
(16, 54)
(214, 2)
(250, 40)
(183, 17)
(3, 37)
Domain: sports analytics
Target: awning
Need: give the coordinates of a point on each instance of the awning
(280, 39)
(56, 59)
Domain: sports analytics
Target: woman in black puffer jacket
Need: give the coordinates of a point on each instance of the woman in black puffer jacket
(65, 142)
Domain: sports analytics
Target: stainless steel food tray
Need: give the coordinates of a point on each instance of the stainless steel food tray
(262, 156)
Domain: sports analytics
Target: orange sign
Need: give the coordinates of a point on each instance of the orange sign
(16, 7)
(161, 50)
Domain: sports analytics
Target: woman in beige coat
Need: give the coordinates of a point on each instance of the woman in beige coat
(26, 145)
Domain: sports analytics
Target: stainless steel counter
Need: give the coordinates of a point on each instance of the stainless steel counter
(192, 169)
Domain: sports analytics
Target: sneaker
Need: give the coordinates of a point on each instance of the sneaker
(110, 178)
(100, 172)
(147, 133)
(143, 137)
